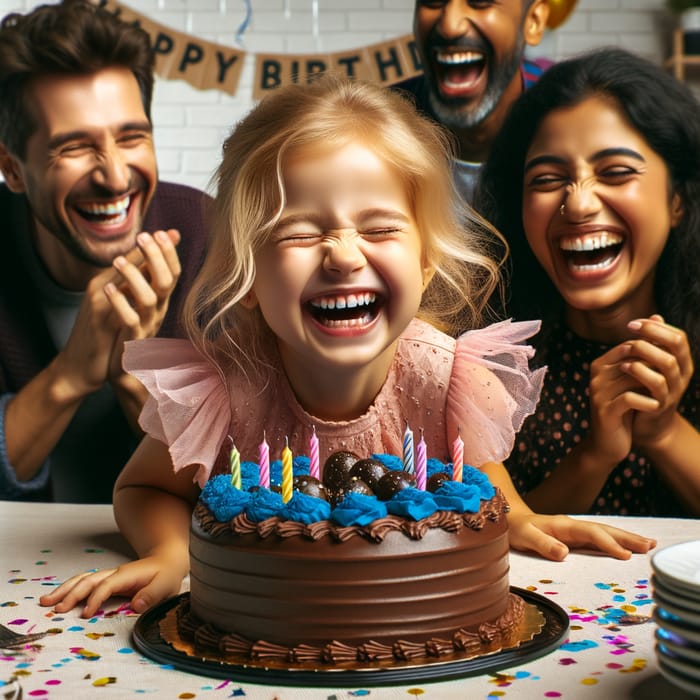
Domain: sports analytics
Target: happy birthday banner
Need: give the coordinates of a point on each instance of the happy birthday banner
(206, 65)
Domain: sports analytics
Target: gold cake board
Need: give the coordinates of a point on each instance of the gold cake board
(542, 630)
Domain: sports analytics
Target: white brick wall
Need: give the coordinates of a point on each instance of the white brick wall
(191, 124)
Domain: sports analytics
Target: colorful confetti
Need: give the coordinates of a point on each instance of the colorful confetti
(603, 643)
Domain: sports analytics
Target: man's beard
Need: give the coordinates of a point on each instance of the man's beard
(45, 214)
(455, 114)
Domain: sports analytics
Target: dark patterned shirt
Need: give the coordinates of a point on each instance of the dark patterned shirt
(561, 421)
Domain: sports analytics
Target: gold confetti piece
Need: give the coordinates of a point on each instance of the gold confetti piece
(186, 696)
(589, 681)
(84, 653)
(100, 682)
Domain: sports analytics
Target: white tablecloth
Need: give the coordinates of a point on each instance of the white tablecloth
(603, 656)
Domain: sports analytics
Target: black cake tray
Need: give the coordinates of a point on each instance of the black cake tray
(149, 640)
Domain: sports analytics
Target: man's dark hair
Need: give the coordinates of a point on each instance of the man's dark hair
(74, 37)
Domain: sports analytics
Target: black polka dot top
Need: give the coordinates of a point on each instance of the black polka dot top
(562, 420)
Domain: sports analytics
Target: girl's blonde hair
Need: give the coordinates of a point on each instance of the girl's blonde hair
(327, 114)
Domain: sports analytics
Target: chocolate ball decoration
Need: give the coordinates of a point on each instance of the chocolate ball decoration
(436, 481)
(370, 471)
(310, 486)
(358, 486)
(354, 485)
(392, 482)
(336, 470)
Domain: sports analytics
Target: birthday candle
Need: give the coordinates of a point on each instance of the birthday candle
(408, 465)
(287, 475)
(235, 463)
(264, 461)
(421, 463)
(313, 455)
(457, 458)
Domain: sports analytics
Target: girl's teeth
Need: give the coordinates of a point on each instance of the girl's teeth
(350, 301)
(592, 266)
(588, 243)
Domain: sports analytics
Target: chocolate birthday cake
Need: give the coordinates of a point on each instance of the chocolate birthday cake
(361, 568)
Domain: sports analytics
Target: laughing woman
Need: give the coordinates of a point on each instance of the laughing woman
(595, 182)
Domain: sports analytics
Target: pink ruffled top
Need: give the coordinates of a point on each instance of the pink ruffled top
(479, 384)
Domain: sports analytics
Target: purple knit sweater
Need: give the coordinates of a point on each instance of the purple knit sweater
(26, 346)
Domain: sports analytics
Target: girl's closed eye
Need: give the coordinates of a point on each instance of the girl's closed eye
(296, 231)
(547, 181)
(382, 224)
(378, 233)
(618, 174)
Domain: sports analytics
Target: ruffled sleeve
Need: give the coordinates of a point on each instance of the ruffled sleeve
(492, 389)
(188, 407)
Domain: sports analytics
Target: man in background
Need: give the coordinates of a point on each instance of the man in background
(473, 70)
(87, 228)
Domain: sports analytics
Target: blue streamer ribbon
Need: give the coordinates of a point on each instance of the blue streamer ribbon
(244, 24)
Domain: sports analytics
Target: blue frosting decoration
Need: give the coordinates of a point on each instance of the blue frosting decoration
(390, 461)
(250, 475)
(224, 501)
(264, 504)
(458, 496)
(358, 509)
(300, 465)
(471, 475)
(435, 466)
(276, 472)
(412, 503)
(306, 509)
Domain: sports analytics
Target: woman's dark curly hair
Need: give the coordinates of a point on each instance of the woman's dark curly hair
(666, 114)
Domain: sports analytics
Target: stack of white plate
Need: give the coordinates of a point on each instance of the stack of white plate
(676, 584)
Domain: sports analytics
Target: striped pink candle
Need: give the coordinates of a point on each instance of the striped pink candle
(457, 458)
(314, 469)
(264, 463)
(421, 463)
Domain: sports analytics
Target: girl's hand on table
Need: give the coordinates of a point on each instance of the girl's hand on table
(146, 581)
(551, 536)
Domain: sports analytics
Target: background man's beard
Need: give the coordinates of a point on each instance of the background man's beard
(455, 116)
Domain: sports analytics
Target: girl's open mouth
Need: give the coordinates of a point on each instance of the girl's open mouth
(345, 310)
(592, 251)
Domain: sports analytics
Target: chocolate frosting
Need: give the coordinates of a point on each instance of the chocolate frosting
(322, 593)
